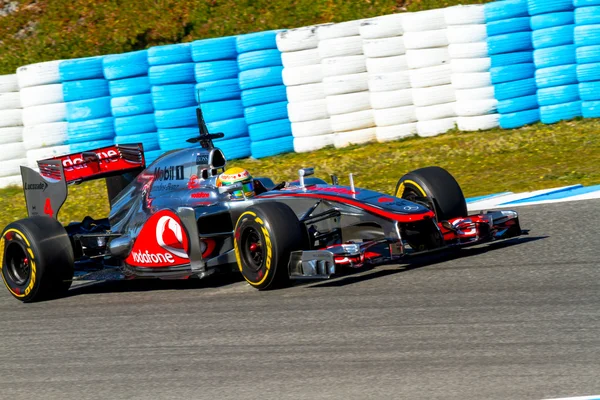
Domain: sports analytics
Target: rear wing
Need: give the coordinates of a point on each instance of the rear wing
(46, 191)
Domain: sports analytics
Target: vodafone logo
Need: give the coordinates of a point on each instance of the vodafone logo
(70, 163)
(169, 236)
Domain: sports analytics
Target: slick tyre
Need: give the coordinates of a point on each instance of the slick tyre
(265, 235)
(435, 187)
(37, 259)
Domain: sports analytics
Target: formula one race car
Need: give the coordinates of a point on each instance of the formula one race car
(173, 220)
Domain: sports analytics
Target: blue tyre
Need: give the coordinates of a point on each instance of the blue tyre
(95, 129)
(88, 109)
(512, 73)
(587, 35)
(586, 3)
(149, 140)
(172, 74)
(587, 15)
(259, 59)
(153, 155)
(222, 110)
(80, 69)
(87, 89)
(177, 118)
(170, 54)
(129, 86)
(264, 95)
(517, 104)
(256, 41)
(558, 95)
(231, 128)
(502, 60)
(272, 147)
(519, 119)
(224, 89)
(236, 148)
(588, 72)
(261, 77)
(556, 76)
(590, 109)
(127, 65)
(266, 112)
(216, 70)
(536, 7)
(214, 49)
(135, 124)
(499, 10)
(554, 56)
(173, 96)
(550, 20)
(515, 89)
(589, 91)
(588, 54)
(505, 26)
(552, 37)
(86, 146)
(131, 105)
(560, 112)
(270, 130)
(509, 43)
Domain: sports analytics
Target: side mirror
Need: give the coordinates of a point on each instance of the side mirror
(304, 172)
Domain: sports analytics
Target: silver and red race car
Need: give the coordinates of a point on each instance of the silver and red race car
(171, 220)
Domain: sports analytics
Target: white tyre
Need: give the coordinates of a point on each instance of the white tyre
(395, 132)
(471, 80)
(424, 20)
(425, 39)
(298, 39)
(352, 121)
(345, 139)
(394, 98)
(467, 33)
(473, 108)
(437, 111)
(10, 101)
(382, 27)
(468, 50)
(423, 97)
(346, 83)
(348, 103)
(312, 91)
(302, 75)
(460, 65)
(45, 135)
(14, 180)
(482, 93)
(11, 134)
(33, 156)
(386, 64)
(389, 81)
(343, 65)
(11, 118)
(43, 73)
(430, 76)
(463, 15)
(386, 47)
(395, 116)
(300, 58)
(12, 167)
(479, 123)
(9, 83)
(307, 110)
(339, 30)
(435, 127)
(317, 127)
(39, 95)
(11, 151)
(344, 46)
(44, 114)
(423, 58)
(312, 143)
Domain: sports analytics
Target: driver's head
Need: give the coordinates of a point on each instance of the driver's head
(235, 175)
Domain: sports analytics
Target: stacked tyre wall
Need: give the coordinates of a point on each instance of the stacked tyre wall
(507, 63)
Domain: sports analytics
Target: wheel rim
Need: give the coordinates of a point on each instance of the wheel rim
(252, 249)
(17, 263)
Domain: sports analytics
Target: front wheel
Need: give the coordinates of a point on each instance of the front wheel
(37, 259)
(265, 235)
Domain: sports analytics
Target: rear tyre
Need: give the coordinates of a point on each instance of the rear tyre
(265, 235)
(37, 259)
(435, 187)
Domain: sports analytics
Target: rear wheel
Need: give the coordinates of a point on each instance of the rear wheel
(436, 188)
(265, 235)
(37, 259)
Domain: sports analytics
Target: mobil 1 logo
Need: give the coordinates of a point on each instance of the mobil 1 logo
(169, 173)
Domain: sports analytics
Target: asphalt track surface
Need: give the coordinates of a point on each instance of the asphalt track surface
(521, 321)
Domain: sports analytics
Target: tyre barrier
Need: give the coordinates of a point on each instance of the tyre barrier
(508, 63)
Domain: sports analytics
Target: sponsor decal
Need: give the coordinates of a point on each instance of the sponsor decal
(169, 173)
(36, 186)
(165, 186)
(201, 159)
(162, 242)
(386, 200)
(336, 190)
(411, 208)
(200, 195)
(71, 163)
(193, 182)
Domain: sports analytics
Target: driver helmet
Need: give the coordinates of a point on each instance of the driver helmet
(235, 175)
